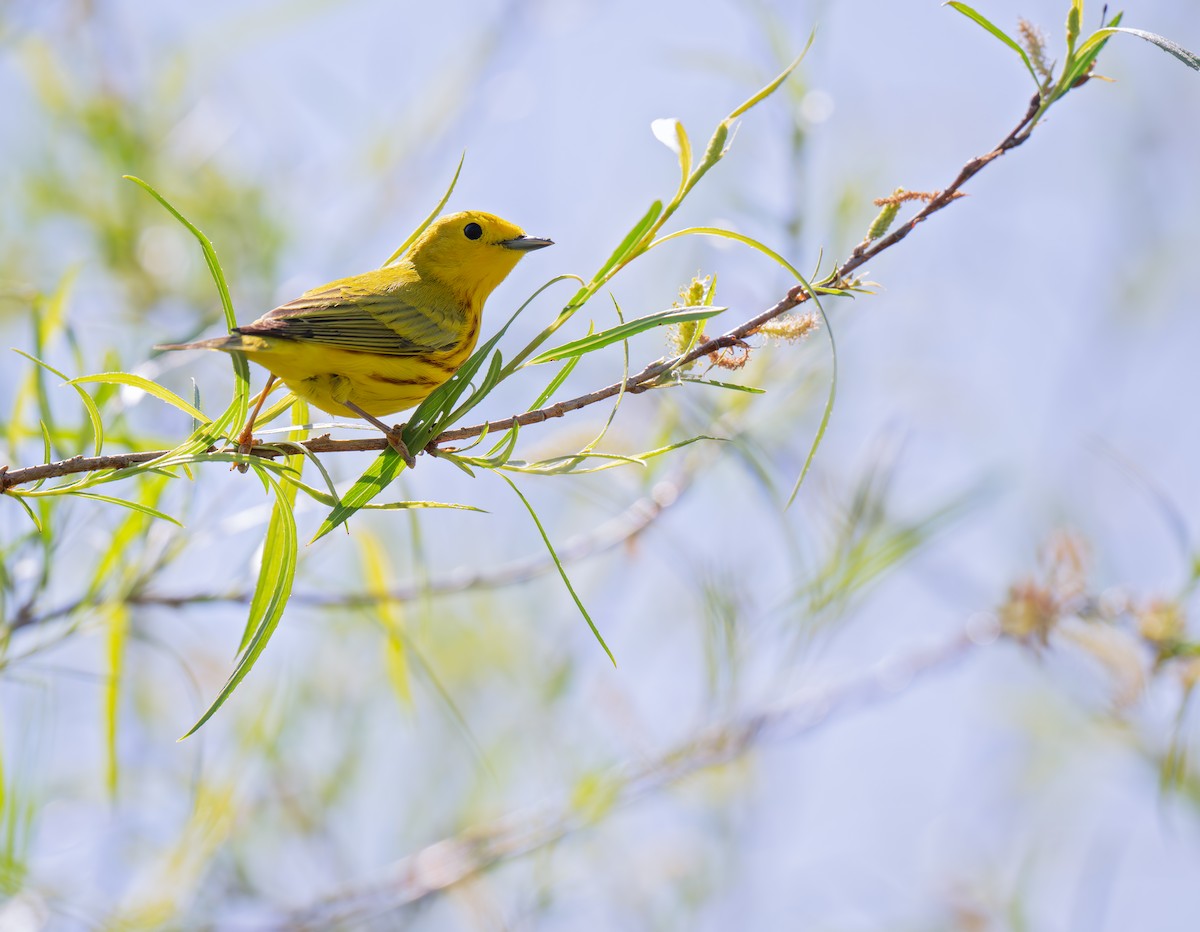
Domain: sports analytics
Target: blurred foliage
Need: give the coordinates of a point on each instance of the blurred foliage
(450, 717)
(1143, 643)
(96, 122)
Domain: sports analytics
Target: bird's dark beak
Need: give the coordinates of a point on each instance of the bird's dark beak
(526, 243)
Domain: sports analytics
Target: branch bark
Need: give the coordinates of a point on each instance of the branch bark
(646, 379)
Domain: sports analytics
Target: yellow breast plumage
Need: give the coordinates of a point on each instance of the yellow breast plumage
(380, 342)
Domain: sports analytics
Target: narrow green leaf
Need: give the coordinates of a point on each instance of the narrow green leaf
(412, 237)
(133, 506)
(442, 398)
(504, 446)
(738, 237)
(999, 33)
(558, 563)
(490, 379)
(771, 88)
(195, 404)
(25, 392)
(563, 316)
(556, 383)
(1078, 65)
(47, 447)
(118, 635)
(210, 254)
(49, 321)
(765, 250)
(499, 454)
(825, 415)
(160, 466)
(561, 465)
(457, 461)
(19, 498)
(729, 385)
(568, 463)
(429, 418)
(670, 132)
(595, 341)
(630, 242)
(376, 573)
(271, 593)
(42, 396)
(97, 422)
(612, 413)
(331, 498)
(278, 559)
(149, 387)
(1074, 25)
(1189, 58)
(90, 405)
(269, 414)
(379, 475)
(332, 501)
(240, 405)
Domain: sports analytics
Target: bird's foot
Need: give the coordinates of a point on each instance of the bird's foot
(393, 434)
(244, 446)
(246, 437)
(395, 441)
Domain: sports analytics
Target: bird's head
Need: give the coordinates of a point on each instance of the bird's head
(471, 251)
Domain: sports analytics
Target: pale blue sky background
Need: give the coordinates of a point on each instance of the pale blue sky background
(1047, 318)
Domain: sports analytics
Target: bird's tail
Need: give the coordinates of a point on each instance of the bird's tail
(228, 344)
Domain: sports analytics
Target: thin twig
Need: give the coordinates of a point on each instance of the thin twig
(646, 379)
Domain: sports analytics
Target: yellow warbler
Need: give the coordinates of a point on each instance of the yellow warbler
(380, 342)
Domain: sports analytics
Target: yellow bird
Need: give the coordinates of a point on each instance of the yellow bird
(380, 342)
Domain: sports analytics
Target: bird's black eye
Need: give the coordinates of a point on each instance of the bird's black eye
(473, 231)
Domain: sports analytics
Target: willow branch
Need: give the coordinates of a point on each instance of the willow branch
(652, 376)
(444, 864)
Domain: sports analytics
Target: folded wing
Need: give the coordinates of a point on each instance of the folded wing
(389, 323)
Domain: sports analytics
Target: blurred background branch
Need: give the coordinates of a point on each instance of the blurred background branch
(432, 716)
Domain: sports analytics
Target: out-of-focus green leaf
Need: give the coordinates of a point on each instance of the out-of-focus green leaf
(424, 225)
(376, 574)
(129, 530)
(118, 635)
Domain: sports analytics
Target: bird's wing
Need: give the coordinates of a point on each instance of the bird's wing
(386, 323)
